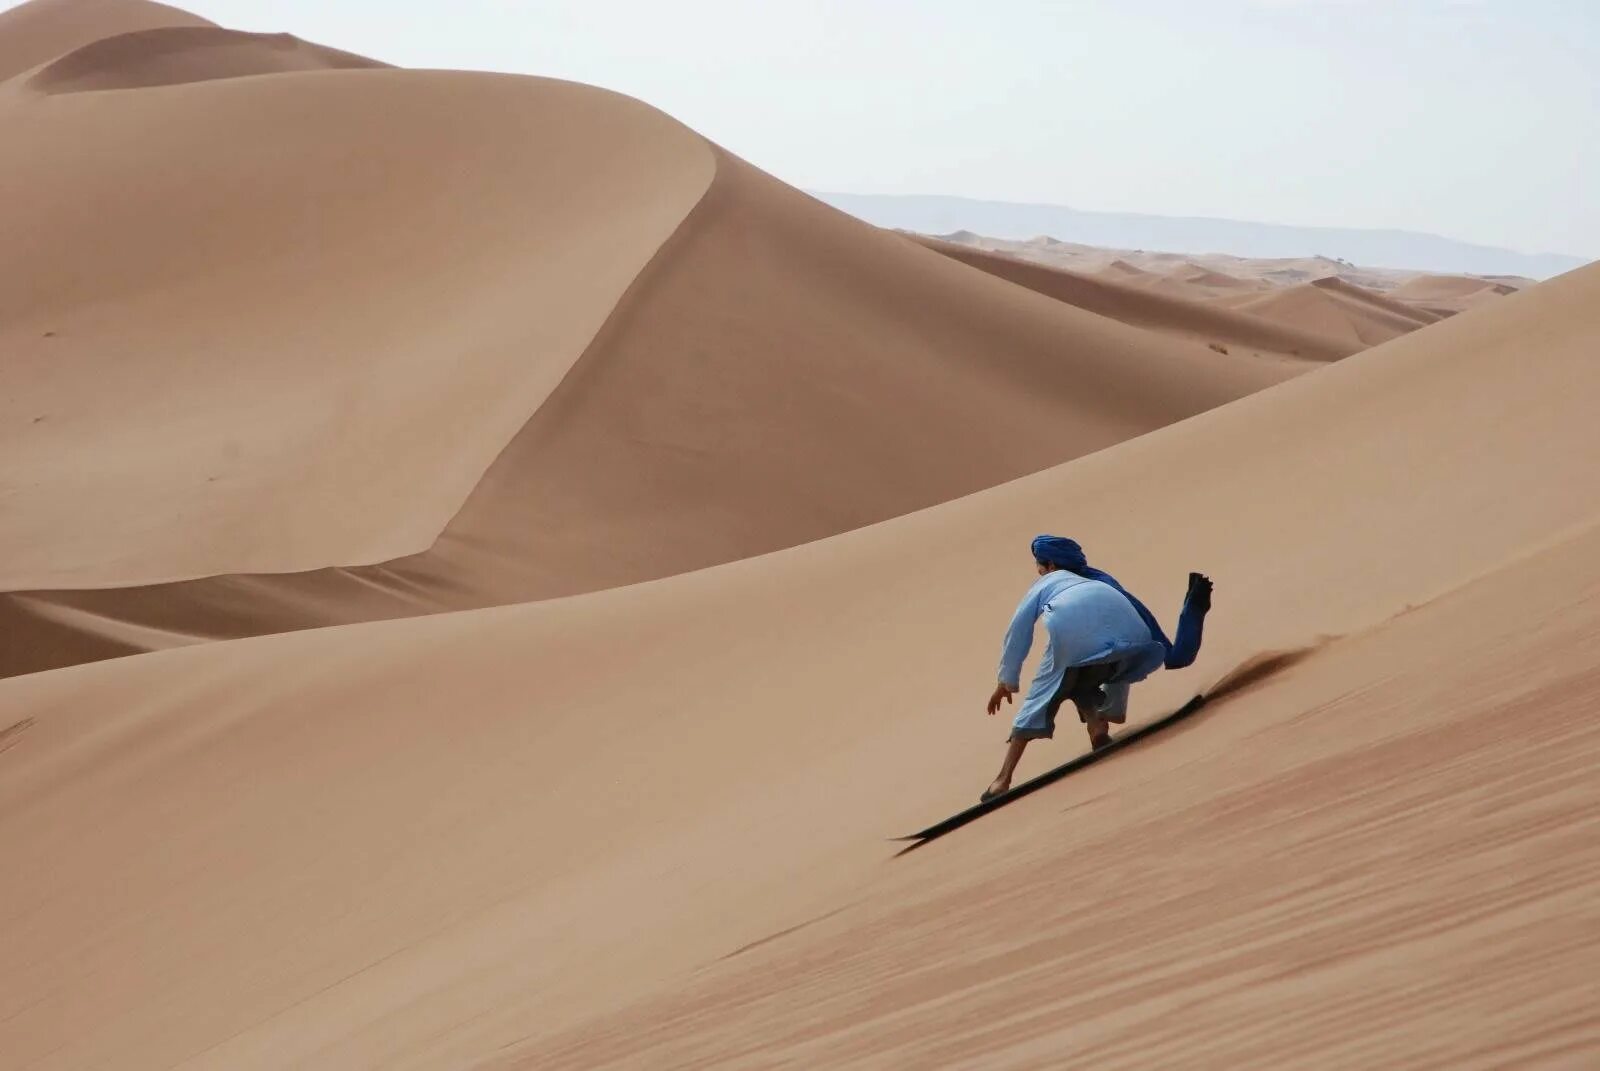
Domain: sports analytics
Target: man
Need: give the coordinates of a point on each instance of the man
(1100, 641)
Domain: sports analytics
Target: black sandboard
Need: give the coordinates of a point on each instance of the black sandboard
(956, 821)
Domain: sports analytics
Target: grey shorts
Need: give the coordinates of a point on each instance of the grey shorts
(1082, 685)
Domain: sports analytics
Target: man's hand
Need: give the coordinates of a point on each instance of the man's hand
(1001, 691)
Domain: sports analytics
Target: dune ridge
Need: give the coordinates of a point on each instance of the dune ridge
(40, 30)
(754, 421)
(173, 55)
(1446, 287)
(1228, 279)
(1336, 309)
(308, 365)
(1107, 295)
(1200, 275)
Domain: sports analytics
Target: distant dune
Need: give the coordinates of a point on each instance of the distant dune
(1451, 293)
(1123, 269)
(1231, 279)
(1337, 310)
(1117, 293)
(1386, 248)
(1200, 275)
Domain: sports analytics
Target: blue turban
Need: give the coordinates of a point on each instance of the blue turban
(1056, 550)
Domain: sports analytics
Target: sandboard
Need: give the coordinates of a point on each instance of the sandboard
(973, 813)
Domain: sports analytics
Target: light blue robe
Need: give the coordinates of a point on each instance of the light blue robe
(1086, 622)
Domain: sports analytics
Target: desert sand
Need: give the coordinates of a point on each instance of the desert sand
(1314, 308)
(1211, 275)
(1117, 292)
(355, 421)
(1335, 309)
(663, 524)
(1453, 293)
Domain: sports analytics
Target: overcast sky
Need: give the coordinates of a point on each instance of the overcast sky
(1476, 120)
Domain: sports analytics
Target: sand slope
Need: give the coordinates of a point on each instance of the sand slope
(1346, 866)
(1108, 296)
(1336, 309)
(306, 344)
(427, 843)
(40, 30)
(777, 373)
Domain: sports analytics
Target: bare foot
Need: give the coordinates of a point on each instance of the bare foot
(996, 787)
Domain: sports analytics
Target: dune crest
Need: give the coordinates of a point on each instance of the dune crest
(1123, 268)
(1335, 309)
(1200, 275)
(333, 324)
(1108, 293)
(173, 55)
(1223, 278)
(783, 372)
(1446, 287)
(40, 30)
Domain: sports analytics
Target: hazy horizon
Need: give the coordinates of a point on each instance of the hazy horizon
(1388, 249)
(1463, 119)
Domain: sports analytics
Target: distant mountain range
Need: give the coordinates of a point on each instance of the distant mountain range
(1185, 234)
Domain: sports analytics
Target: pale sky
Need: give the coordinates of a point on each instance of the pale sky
(1474, 119)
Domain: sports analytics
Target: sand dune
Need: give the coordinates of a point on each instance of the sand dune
(1157, 280)
(1200, 275)
(1106, 295)
(1447, 294)
(172, 55)
(1446, 287)
(1121, 267)
(255, 368)
(738, 740)
(479, 341)
(1336, 310)
(1185, 282)
(40, 30)
(1199, 238)
(783, 371)
(1219, 276)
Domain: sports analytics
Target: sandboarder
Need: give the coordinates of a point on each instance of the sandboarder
(1100, 641)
